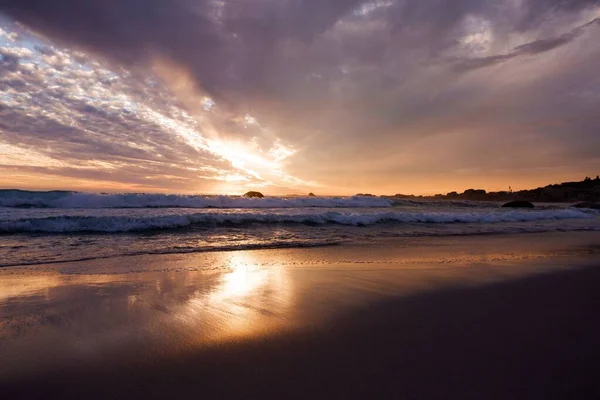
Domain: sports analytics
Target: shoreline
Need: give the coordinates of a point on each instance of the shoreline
(209, 323)
(508, 240)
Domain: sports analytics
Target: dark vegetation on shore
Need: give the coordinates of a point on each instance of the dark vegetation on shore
(587, 191)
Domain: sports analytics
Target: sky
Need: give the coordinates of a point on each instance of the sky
(297, 96)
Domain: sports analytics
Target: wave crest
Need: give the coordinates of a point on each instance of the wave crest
(62, 199)
(114, 224)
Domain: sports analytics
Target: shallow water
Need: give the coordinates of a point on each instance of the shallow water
(64, 226)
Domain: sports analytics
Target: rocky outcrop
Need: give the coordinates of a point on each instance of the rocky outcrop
(254, 194)
(474, 194)
(311, 194)
(518, 204)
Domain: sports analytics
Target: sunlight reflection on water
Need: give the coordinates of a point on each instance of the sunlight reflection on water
(80, 316)
(247, 301)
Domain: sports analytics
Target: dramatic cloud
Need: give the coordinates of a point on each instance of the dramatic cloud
(531, 48)
(216, 95)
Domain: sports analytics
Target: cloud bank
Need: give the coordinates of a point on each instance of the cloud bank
(211, 95)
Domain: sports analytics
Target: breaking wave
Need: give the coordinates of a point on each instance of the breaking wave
(114, 224)
(64, 199)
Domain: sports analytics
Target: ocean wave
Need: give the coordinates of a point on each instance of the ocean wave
(63, 199)
(115, 224)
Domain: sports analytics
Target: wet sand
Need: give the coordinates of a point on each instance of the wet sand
(475, 317)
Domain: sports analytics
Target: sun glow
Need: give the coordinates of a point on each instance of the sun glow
(263, 167)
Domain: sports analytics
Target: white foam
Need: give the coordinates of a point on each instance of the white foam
(108, 224)
(14, 198)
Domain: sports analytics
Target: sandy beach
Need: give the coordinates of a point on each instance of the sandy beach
(507, 316)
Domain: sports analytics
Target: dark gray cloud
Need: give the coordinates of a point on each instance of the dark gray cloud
(535, 12)
(531, 48)
(255, 45)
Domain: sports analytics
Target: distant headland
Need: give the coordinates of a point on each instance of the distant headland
(587, 190)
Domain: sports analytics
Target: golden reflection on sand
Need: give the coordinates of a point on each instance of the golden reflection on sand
(242, 280)
(247, 301)
(15, 286)
(87, 314)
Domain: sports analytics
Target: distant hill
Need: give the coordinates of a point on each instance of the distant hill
(588, 190)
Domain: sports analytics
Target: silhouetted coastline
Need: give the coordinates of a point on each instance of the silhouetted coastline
(587, 190)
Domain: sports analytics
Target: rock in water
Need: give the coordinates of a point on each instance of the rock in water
(311, 194)
(254, 194)
(518, 204)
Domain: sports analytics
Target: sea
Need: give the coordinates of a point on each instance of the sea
(60, 226)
